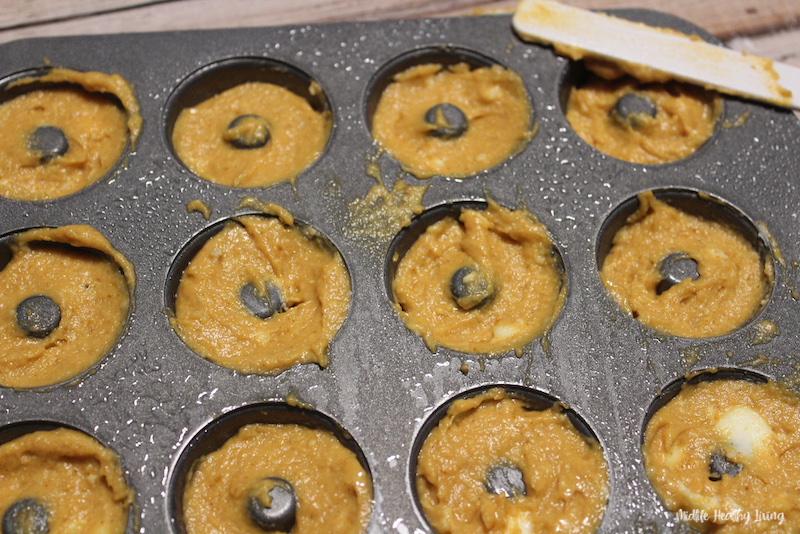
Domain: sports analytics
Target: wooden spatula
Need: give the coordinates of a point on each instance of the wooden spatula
(586, 33)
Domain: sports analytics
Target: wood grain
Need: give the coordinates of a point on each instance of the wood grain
(781, 46)
(37, 18)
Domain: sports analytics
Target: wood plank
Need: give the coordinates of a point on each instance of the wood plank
(724, 18)
(190, 14)
(16, 13)
(781, 46)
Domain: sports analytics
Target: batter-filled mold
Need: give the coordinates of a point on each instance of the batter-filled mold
(271, 467)
(635, 114)
(54, 478)
(259, 293)
(720, 448)
(63, 130)
(685, 263)
(449, 112)
(67, 294)
(476, 278)
(248, 122)
(508, 458)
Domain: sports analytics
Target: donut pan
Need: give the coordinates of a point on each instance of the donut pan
(152, 396)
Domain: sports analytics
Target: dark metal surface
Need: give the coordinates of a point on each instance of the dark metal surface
(152, 394)
(449, 120)
(26, 516)
(49, 141)
(38, 316)
(280, 514)
(630, 106)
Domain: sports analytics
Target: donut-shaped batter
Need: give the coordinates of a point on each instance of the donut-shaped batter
(643, 123)
(262, 295)
(253, 135)
(65, 481)
(332, 490)
(82, 279)
(56, 140)
(486, 283)
(725, 456)
(732, 281)
(563, 473)
(492, 122)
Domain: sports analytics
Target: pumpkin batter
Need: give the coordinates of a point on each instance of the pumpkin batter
(564, 472)
(89, 281)
(493, 100)
(684, 118)
(94, 128)
(253, 135)
(333, 492)
(515, 286)
(733, 283)
(753, 430)
(70, 478)
(266, 253)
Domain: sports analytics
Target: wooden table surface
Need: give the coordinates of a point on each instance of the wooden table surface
(770, 28)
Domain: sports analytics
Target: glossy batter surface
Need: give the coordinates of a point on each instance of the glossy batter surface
(754, 425)
(565, 473)
(514, 253)
(733, 282)
(78, 481)
(311, 278)
(297, 136)
(87, 278)
(334, 493)
(493, 99)
(685, 119)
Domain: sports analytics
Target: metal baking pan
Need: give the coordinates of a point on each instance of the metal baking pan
(152, 395)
